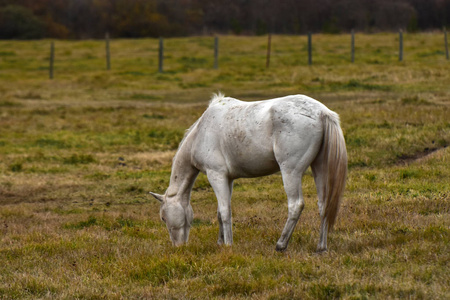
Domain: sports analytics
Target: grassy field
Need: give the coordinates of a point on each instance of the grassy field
(79, 153)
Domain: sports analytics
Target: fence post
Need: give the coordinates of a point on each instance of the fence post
(161, 54)
(108, 54)
(52, 58)
(353, 46)
(309, 48)
(446, 43)
(269, 41)
(400, 45)
(216, 52)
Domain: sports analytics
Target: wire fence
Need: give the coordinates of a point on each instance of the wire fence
(162, 53)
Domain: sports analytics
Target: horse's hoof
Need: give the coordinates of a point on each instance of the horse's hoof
(280, 248)
(321, 251)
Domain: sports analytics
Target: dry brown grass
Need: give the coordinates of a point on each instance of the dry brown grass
(79, 154)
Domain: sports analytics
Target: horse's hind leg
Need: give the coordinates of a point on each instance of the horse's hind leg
(292, 181)
(219, 218)
(319, 178)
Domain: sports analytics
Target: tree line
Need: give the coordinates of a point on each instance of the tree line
(78, 19)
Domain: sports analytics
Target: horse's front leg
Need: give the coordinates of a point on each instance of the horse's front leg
(223, 187)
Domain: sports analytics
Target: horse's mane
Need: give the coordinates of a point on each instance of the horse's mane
(215, 98)
(187, 133)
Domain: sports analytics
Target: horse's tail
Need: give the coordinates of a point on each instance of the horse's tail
(333, 158)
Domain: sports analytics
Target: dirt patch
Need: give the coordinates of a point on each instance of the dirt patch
(426, 153)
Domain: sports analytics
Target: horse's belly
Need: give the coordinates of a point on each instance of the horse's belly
(249, 169)
(251, 160)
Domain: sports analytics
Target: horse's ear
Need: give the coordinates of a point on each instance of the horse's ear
(158, 197)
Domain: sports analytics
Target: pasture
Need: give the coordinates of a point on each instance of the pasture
(79, 154)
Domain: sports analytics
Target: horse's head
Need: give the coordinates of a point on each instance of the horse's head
(178, 218)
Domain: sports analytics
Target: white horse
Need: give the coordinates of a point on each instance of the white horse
(235, 139)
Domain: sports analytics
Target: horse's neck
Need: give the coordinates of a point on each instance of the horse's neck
(183, 174)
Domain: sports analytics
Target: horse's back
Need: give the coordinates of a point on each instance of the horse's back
(248, 139)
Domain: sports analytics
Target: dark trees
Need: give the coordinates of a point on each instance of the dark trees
(152, 18)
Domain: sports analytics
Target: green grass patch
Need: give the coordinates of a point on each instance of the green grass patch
(44, 142)
(105, 223)
(6, 103)
(16, 167)
(144, 97)
(76, 159)
(414, 101)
